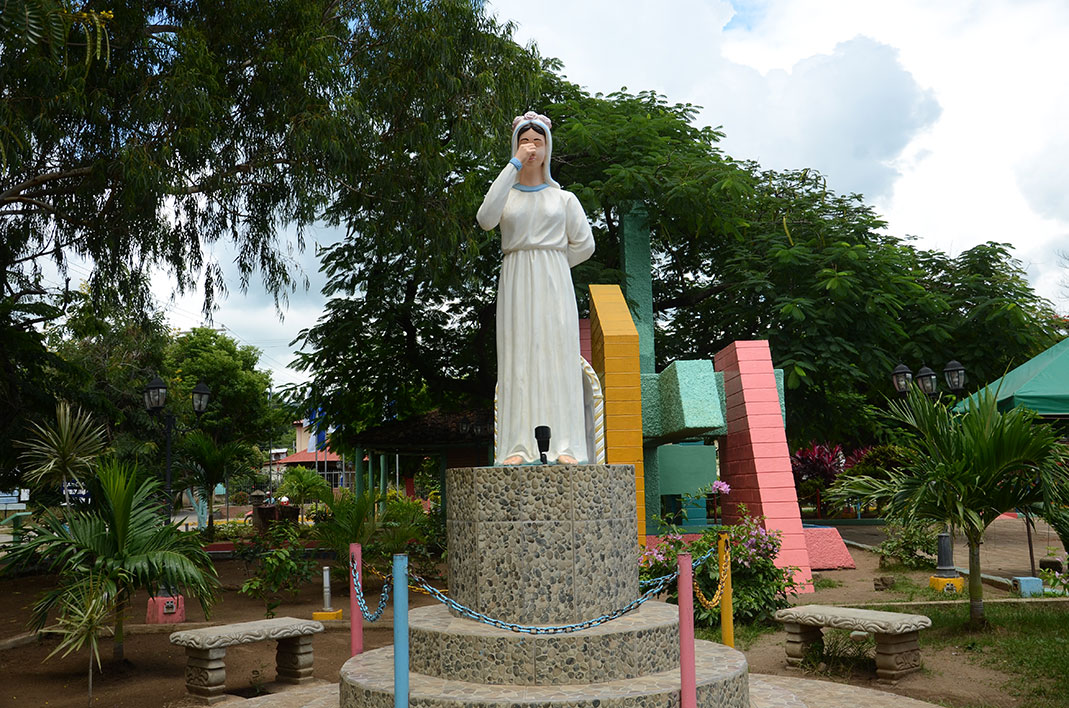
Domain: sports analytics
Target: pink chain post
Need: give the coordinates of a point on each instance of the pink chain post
(356, 617)
(687, 686)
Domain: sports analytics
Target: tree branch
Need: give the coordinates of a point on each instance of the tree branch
(42, 179)
(689, 297)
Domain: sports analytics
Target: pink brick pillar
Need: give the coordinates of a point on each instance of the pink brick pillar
(754, 458)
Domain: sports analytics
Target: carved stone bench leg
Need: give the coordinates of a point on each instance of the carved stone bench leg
(293, 660)
(206, 674)
(897, 655)
(800, 639)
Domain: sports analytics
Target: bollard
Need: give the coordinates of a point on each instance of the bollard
(326, 589)
(727, 619)
(400, 630)
(356, 618)
(687, 687)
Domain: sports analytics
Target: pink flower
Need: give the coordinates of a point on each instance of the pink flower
(721, 487)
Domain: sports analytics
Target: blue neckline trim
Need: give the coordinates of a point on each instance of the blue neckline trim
(525, 188)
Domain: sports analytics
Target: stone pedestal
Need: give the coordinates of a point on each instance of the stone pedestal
(897, 655)
(206, 673)
(802, 638)
(544, 545)
(294, 660)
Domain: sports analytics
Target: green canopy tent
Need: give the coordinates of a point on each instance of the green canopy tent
(1041, 383)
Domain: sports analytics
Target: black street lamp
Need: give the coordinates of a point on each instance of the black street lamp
(928, 380)
(955, 376)
(902, 377)
(155, 395)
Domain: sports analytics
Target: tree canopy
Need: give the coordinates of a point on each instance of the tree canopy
(205, 128)
(738, 252)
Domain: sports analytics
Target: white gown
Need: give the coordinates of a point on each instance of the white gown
(543, 234)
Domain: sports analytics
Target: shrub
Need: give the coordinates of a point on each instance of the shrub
(759, 588)
(281, 566)
(239, 498)
(815, 469)
(914, 544)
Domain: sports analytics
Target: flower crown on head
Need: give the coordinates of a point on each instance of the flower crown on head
(531, 116)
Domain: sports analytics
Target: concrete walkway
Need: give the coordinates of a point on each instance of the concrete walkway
(1004, 552)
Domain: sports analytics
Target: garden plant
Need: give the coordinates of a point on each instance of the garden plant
(759, 587)
(965, 470)
(121, 541)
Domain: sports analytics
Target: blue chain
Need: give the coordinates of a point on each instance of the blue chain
(528, 629)
(354, 572)
(694, 565)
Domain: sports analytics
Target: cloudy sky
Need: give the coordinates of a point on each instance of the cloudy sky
(949, 117)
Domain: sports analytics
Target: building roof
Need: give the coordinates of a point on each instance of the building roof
(303, 457)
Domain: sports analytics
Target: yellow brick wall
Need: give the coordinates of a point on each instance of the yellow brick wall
(614, 350)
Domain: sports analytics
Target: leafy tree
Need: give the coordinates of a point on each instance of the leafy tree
(123, 542)
(64, 452)
(207, 464)
(207, 127)
(435, 313)
(172, 143)
(303, 485)
(107, 355)
(966, 470)
(241, 407)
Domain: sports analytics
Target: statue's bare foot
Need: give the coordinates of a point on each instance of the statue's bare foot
(566, 460)
(514, 460)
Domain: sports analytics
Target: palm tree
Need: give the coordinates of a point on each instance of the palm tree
(303, 485)
(66, 451)
(207, 464)
(966, 470)
(351, 520)
(122, 542)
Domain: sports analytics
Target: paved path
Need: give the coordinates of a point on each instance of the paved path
(1004, 551)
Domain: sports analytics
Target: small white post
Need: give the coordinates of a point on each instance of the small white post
(326, 588)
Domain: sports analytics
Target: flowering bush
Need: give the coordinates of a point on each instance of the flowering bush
(759, 588)
(1056, 580)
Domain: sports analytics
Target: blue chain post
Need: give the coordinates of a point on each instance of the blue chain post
(400, 631)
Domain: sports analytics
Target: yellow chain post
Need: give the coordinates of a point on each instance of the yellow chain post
(727, 620)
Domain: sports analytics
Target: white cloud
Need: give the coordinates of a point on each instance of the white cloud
(949, 116)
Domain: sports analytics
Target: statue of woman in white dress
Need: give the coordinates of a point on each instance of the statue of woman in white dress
(544, 232)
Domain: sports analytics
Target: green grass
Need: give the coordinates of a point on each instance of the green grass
(1027, 641)
(822, 583)
(745, 634)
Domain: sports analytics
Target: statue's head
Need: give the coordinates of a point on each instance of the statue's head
(535, 129)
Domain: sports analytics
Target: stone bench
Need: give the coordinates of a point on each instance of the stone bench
(897, 650)
(206, 650)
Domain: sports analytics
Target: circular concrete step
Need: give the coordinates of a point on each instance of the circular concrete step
(367, 682)
(644, 641)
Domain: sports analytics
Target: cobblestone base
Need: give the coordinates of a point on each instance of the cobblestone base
(367, 682)
(642, 642)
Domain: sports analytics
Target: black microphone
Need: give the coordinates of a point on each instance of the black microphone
(542, 437)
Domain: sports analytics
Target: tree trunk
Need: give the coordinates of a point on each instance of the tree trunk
(211, 522)
(90, 679)
(976, 586)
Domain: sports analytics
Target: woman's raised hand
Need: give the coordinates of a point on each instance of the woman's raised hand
(526, 153)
